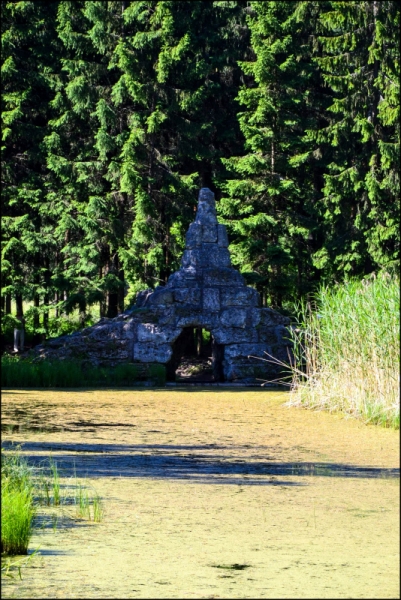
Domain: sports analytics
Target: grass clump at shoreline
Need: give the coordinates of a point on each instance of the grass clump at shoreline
(17, 504)
(347, 351)
(24, 489)
(23, 372)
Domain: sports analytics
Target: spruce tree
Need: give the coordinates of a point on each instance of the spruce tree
(30, 53)
(270, 198)
(93, 223)
(358, 53)
(176, 96)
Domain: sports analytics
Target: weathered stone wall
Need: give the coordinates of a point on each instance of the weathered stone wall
(206, 292)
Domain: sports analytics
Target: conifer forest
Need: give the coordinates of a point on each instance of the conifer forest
(116, 113)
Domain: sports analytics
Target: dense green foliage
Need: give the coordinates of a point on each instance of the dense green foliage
(116, 113)
(17, 373)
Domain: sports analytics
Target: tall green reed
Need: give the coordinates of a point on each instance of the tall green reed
(17, 504)
(55, 482)
(347, 351)
(25, 488)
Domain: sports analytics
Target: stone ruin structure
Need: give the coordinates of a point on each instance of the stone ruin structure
(206, 292)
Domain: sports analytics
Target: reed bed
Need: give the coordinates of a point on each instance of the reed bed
(347, 351)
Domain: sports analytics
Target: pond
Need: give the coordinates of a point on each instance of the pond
(210, 493)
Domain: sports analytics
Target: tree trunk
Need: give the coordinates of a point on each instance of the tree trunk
(45, 321)
(46, 299)
(206, 176)
(19, 331)
(57, 299)
(112, 304)
(198, 341)
(36, 323)
(113, 295)
(102, 303)
(19, 305)
(121, 292)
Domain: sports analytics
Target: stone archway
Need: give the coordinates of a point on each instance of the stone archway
(196, 349)
(206, 292)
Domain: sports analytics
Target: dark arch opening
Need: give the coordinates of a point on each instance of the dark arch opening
(196, 358)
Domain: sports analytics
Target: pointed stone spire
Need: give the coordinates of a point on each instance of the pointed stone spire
(206, 239)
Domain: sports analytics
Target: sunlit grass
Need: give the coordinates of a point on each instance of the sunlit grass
(24, 489)
(17, 505)
(98, 509)
(55, 482)
(347, 351)
(86, 503)
(349, 347)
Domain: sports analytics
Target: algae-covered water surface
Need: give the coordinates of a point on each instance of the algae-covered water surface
(210, 493)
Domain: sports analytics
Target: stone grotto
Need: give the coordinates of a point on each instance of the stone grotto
(206, 293)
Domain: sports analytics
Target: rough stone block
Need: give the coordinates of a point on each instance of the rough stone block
(207, 218)
(283, 335)
(165, 315)
(267, 335)
(206, 201)
(113, 330)
(183, 278)
(190, 296)
(246, 373)
(148, 332)
(100, 332)
(251, 373)
(208, 255)
(191, 258)
(222, 237)
(193, 237)
(283, 353)
(209, 233)
(211, 299)
(206, 206)
(272, 317)
(128, 331)
(217, 257)
(234, 317)
(222, 276)
(141, 314)
(242, 351)
(253, 317)
(57, 343)
(240, 296)
(187, 317)
(229, 335)
(161, 295)
(210, 320)
(145, 352)
(142, 297)
(231, 372)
